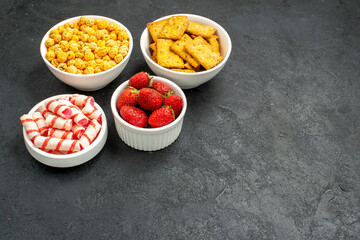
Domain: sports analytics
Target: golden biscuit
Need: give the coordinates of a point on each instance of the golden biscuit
(174, 28)
(154, 51)
(155, 28)
(213, 41)
(178, 48)
(153, 47)
(187, 65)
(183, 70)
(200, 30)
(165, 57)
(153, 57)
(201, 50)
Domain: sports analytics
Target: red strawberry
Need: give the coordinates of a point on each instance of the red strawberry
(161, 117)
(150, 99)
(175, 102)
(140, 80)
(128, 97)
(162, 88)
(133, 115)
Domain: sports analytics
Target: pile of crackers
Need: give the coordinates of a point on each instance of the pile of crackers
(182, 45)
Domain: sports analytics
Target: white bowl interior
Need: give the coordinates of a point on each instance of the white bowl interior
(88, 82)
(73, 159)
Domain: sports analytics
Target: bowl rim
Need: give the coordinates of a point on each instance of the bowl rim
(46, 36)
(172, 85)
(72, 155)
(218, 26)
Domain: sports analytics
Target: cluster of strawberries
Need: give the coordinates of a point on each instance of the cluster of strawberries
(147, 103)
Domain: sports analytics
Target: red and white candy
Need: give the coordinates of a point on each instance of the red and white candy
(57, 144)
(57, 133)
(90, 133)
(30, 126)
(77, 116)
(78, 131)
(40, 123)
(53, 121)
(43, 110)
(80, 100)
(59, 108)
(91, 112)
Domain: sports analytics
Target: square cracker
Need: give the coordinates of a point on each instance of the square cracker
(187, 65)
(155, 28)
(200, 30)
(213, 41)
(201, 50)
(183, 70)
(178, 48)
(154, 51)
(153, 57)
(174, 28)
(165, 57)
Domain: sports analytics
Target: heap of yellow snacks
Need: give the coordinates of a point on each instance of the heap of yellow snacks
(182, 45)
(87, 46)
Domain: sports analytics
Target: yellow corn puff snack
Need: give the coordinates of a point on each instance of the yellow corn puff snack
(165, 57)
(174, 28)
(155, 28)
(213, 41)
(178, 48)
(200, 49)
(200, 30)
(183, 70)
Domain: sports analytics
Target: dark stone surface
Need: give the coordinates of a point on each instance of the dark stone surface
(269, 148)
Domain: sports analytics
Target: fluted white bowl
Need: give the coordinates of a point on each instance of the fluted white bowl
(148, 139)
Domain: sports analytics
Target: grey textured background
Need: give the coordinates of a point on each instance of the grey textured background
(269, 148)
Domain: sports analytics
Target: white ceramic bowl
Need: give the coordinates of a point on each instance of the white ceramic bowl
(148, 139)
(67, 160)
(90, 82)
(188, 80)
